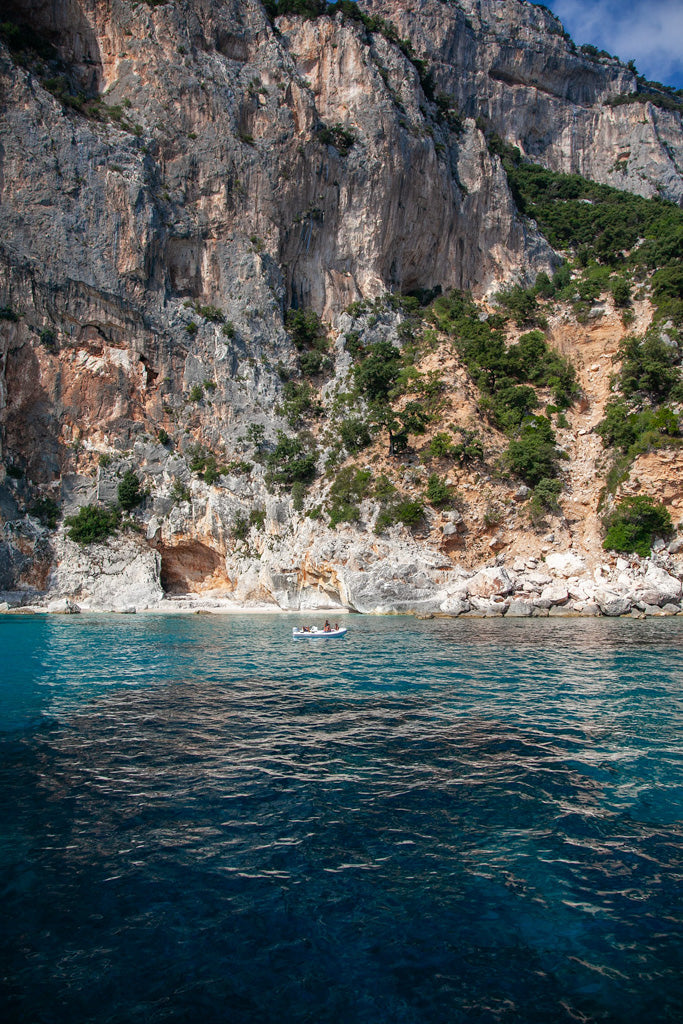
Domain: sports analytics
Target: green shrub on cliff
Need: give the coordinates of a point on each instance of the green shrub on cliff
(351, 485)
(634, 524)
(438, 492)
(408, 511)
(46, 510)
(92, 523)
(129, 492)
(532, 455)
(293, 459)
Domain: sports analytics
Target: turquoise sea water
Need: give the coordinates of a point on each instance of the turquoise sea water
(428, 821)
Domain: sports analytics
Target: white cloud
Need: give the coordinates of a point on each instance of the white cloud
(647, 31)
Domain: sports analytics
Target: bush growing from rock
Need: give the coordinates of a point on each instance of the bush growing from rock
(378, 371)
(441, 446)
(533, 455)
(92, 524)
(384, 490)
(293, 459)
(408, 511)
(298, 493)
(129, 493)
(305, 328)
(46, 510)
(299, 402)
(621, 293)
(438, 492)
(257, 517)
(354, 434)
(240, 527)
(48, 339)
(544, 498)
(649, 368)
(180, 492)
(634, 523)
(349, 488)
(470, 449)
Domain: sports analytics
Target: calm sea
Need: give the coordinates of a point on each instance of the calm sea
(428, 821)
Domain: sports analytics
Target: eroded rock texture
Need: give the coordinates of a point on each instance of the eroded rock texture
(512, 64)
(174, 177)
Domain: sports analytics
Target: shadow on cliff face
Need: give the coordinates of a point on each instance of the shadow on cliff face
(65, 26)
(26, 557)
(29, 416)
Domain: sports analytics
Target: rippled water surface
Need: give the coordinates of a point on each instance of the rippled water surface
(441, 821)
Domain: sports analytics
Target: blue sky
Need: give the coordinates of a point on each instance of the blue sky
(650, 32)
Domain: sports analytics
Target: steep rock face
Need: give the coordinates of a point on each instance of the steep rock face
(151, 242)
(229, 116)
(512, 64)
(204, 175)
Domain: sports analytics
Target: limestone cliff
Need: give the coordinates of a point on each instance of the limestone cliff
(513, 64)
(174, 177)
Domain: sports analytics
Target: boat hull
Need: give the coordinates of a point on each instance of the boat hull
(317, 634)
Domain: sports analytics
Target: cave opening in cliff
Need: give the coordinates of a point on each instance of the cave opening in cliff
(190, 567)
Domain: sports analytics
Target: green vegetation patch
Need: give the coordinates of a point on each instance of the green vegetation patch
(92, 524)
(533, 455)
(292, 460)
(46, 510)
(634, 523)
(350, 486)
(129, 493)
(603, 224)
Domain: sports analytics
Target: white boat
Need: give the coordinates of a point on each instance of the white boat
(316, 634)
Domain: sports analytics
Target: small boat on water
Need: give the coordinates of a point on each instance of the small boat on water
(316, 634)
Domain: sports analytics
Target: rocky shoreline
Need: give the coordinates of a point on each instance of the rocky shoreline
(124, 576)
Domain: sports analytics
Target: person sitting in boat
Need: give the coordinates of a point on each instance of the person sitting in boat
(336, 627)
(327, 627)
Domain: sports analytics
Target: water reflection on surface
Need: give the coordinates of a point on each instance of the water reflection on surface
(425, 822)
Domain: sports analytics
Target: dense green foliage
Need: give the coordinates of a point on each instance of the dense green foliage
(634, 524)
(650, 369)
(350, 486)
(93, 523)
(641, 420)
(604, 224)
(408, 511)
(305, 328)
(504, 374)
(48, 339)
(354, 434)
(378, 370)
(522, 306)
(438, 492)
(292, 460)
(544, 498)
(533, 455)
(129, 493)
(635, 432)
